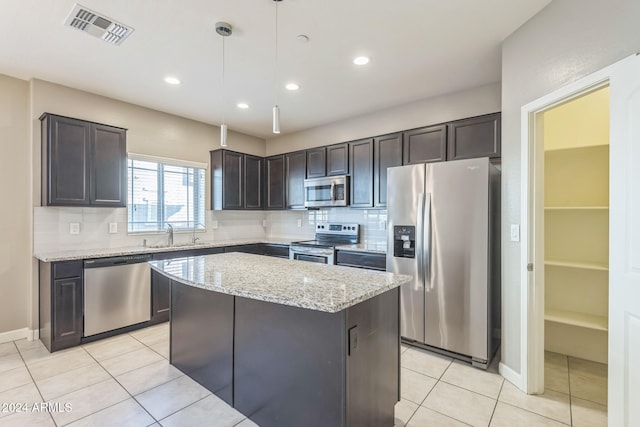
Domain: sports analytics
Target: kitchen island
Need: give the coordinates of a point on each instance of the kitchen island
(288, 343)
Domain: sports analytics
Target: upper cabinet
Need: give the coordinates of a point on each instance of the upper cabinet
(295, 174)
(316, 162)
(83, 163)
(387, 152)
(361, 159)
(428, 144)
(236, 180)
(275, 182)
(474, 137)
(338, 159)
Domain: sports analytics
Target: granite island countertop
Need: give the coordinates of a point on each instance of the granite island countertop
(320, 287)
(70, 255)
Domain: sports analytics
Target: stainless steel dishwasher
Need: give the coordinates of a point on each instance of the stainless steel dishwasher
(117, 293)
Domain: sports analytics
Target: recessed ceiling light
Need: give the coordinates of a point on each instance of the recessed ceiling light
(292, 86)
(243, 105)
(361, 60)
(172, 80)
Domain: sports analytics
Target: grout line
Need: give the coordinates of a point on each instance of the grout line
(570, 397)
(535, 413)
(496, 405)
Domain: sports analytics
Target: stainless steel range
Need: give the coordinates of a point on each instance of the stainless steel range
(322, 249)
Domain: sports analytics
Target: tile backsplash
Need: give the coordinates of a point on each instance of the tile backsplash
(52, 226)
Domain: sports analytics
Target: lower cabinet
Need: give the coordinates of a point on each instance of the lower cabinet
(61, 292)
(248, 249)
(160, 297)
(372, 261)
(272, 249)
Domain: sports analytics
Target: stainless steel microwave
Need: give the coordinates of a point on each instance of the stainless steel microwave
(326, 191)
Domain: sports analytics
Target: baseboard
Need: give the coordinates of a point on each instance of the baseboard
(19, 334)
(510, 375)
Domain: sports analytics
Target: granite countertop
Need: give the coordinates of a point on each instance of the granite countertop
(70, 255)
(321, 287)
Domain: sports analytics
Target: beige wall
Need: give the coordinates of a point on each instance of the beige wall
(567, 40)
(459, 105)
(15, 211)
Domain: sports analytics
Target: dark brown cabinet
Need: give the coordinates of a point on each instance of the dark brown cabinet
(387, 152)
(338, 159)
(361, 166)
(83, 163)
(275, 182)
(369, 260)
(474, 137)
(295, 172)
(316, 162)
(275, 250)
(236, 180)
(247, 249)
(253, 182)
(428, 144)
(61, 306)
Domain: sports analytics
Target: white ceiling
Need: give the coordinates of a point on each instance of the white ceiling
(418, 49)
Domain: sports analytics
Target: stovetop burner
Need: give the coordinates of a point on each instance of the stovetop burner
(329, 235)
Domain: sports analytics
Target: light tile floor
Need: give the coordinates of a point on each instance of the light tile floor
(127, 381)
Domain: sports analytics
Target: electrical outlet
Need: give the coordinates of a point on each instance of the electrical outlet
(383, 225)
(299, 223)
(74, 228)
(264, 223)
(113, 227)
(515, 232)
(214, 224)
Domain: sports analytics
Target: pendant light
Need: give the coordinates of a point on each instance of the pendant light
(224, 29)
(276, 110)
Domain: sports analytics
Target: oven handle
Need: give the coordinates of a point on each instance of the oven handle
(333, 192)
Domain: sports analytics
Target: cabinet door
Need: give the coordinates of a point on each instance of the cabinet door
(108, 166)
(232, 180)
(474, 137)
(387, 153)
(255, 248)
(361, 159)
(160, 297)
(275, 182)
(295, 170)
(66, 147)
(253, 186)
(425, 145)
(338, 159)
(67, 313)
(316, 162)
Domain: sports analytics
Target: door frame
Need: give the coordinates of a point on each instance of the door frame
(532, 224)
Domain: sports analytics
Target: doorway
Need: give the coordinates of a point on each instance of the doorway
(573, 241)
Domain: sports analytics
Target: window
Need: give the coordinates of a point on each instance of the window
(164, 192)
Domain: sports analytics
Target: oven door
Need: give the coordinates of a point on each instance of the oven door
(309, 254)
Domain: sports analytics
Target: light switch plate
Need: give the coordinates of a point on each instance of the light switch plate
(264, 223)
(214, 224)
(299, 223)
(74, 228)
(515, 232)
(113, 227)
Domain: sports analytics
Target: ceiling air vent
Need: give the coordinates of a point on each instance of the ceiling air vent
(98, 25)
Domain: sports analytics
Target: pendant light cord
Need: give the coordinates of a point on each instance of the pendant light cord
(277, 65)
(222, 84)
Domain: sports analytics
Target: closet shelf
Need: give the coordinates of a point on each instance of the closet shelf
(583, 320)
(576, 208)
(573, 264)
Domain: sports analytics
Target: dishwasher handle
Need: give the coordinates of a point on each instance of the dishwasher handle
(116, 261)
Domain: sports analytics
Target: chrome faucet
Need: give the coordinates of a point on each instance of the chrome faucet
(194, 239)
(170, 232)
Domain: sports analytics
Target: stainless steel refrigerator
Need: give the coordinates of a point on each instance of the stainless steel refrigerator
(444, 230)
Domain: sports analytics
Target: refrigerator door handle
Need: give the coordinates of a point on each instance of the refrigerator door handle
(426, 238)
(420, 239)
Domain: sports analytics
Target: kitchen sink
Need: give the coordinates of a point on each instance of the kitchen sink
(175, 245)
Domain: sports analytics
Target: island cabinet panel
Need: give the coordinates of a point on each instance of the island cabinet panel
(275, 182)
(361, 159)
(474, 137)
(428, 144)
(202, 337)
(387, 152)
(296, 172)
(338, 159)
(316, 162)
(247, 249)
(372, 261)
(289, 365)
(160, 297)
(275, 250)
